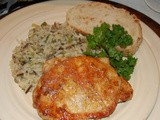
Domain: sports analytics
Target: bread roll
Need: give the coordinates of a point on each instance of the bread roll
(85, 17)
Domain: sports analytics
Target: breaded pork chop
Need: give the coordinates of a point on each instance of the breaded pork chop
(125, 91)
(77, 88)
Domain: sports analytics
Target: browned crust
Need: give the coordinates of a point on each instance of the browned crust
(124, 90)
(61, 112)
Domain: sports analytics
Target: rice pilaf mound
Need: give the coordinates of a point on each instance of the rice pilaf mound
(43, 43)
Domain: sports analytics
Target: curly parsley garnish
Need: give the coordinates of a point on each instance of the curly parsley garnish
(103, 42)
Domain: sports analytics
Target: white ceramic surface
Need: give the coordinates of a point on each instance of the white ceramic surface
(154, 4)
(15, 105)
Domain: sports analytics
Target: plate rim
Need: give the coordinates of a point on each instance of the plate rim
(47, 1)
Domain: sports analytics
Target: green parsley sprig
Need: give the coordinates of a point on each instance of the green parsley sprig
(103, 42)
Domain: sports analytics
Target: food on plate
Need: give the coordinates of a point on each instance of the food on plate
(44, 42)
(79, 69)
(80, 87)
(85, 17)
(67, 39)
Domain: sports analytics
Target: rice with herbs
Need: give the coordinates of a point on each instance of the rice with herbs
(43, 43)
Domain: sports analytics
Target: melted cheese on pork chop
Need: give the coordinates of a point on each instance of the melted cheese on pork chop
(77, 88)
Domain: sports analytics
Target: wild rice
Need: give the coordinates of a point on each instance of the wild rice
(44, 42)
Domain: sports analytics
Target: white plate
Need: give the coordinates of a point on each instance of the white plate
(15, 105)
(154, 4)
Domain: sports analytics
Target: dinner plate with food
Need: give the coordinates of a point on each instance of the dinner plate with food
(77, 61)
